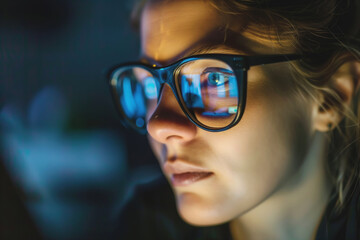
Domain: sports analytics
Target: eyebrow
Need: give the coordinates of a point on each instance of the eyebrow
(232, 41)
(200, 49)
(208, 48)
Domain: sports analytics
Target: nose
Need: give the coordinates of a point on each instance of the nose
(168, 122)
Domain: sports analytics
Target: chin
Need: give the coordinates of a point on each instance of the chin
(200, 221)
(197, 212)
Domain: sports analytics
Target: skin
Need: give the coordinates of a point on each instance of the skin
(268, 171)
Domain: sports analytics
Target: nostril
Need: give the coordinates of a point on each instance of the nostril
(176, 137)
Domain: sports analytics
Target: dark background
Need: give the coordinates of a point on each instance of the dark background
(67, 164)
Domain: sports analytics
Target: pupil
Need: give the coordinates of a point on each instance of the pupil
(215, 78)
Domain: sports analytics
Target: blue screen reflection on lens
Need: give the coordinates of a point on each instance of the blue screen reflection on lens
(150, 88)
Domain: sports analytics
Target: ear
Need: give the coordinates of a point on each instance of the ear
(344, 83)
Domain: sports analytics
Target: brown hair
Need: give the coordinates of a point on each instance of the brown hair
(329, 32)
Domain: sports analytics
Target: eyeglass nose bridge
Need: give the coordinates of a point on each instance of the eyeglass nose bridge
(165, 75)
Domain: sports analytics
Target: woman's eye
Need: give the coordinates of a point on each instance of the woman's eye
(216, 78)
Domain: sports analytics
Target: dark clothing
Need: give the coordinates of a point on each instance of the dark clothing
(152, 214)
(344, 225)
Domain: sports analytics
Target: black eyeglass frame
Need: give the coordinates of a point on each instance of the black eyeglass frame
(240, 64)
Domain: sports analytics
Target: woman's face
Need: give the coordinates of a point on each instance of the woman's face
(219, 176)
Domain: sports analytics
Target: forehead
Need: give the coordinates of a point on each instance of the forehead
(171, 29)
(168, 28)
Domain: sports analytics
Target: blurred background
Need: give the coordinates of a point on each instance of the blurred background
(67, 165)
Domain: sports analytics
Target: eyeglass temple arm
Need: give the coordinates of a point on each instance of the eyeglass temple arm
(267, 59)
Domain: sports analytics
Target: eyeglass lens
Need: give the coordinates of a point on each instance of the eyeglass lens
(207, 88)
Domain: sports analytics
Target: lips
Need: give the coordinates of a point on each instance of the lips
(183, 174)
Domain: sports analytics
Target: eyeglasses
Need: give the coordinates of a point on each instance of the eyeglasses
(210, 88)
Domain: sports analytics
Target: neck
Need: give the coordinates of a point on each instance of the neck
(295, 210)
